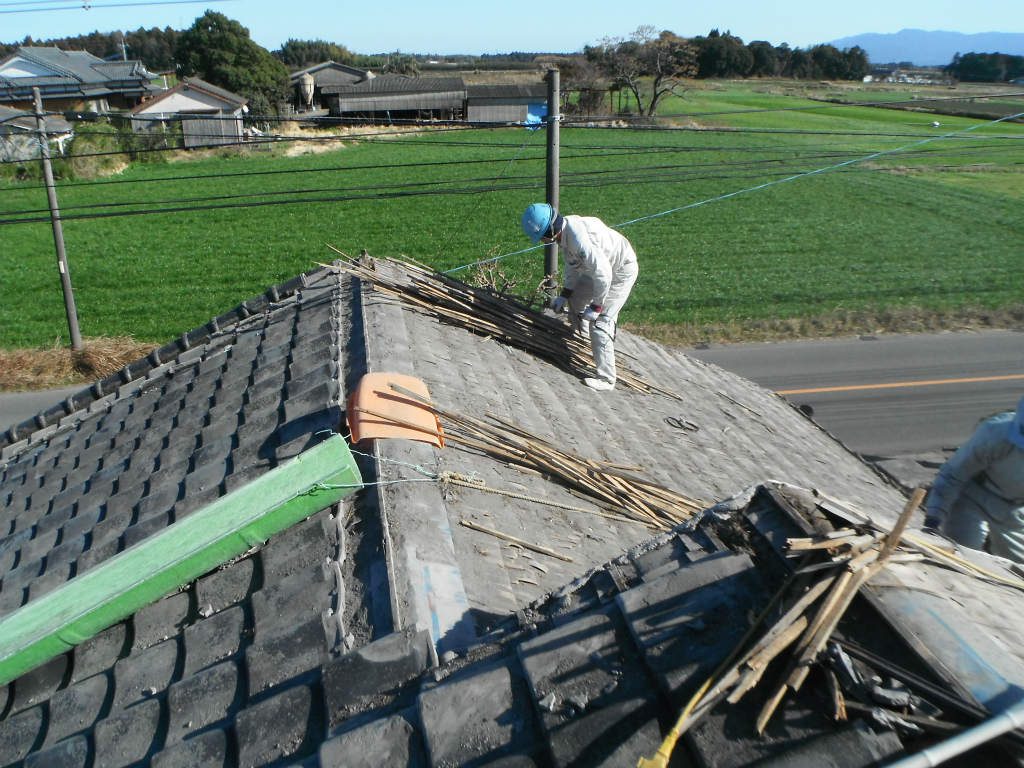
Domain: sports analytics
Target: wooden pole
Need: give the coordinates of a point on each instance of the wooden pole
(58, 229)
(554, 119)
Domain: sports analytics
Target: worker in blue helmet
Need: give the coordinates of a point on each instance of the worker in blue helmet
(978, 494)
(600, 269)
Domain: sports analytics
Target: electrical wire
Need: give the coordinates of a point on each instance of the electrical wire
(85, 5)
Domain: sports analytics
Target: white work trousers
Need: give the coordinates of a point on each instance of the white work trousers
(602, 332)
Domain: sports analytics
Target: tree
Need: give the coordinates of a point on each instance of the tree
(299, 54)
(401, 64)
(650, 65)
(220, 51)
(765, 59)
(721, 55)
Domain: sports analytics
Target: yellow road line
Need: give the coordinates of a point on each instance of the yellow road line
(898, 384)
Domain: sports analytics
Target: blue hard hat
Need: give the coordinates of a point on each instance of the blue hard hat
(537, 220)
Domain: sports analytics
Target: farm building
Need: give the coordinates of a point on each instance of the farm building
(209, 115)
(72, 80)
(308, 84)
(397, 97)
(506, 103)
(196, 568)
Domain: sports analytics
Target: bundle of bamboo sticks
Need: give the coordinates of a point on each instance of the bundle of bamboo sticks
(814, 610)
(612, 486)
(487, 314)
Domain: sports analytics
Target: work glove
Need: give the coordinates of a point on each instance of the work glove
(559, 304)
(591, 313)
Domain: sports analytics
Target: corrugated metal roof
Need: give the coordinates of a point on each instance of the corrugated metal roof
(538, 92)
(398, 84)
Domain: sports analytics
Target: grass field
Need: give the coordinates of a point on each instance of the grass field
(782, 209)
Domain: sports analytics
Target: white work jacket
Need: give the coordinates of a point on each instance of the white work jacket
(590, 248)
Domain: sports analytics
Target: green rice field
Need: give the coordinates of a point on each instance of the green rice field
(745, 204)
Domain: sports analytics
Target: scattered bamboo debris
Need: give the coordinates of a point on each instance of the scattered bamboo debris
(811, 615)
(626, 496)
(486, 314)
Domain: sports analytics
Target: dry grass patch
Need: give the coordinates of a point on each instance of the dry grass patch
(59, 366)
(901, 320)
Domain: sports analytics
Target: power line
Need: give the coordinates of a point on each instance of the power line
(674, 170)
(88, 5)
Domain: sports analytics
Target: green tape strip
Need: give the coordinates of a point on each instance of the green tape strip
(158, 566)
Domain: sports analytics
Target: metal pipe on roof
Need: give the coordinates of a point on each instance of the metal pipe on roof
(991, 729)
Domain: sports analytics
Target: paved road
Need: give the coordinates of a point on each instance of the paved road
(890, 395)
(15, 407)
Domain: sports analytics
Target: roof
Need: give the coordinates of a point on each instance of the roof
(19, 120)
(384, 629)
(58, 71)
(333, 73)
(397, 84)
(536, 91)
(231, 100)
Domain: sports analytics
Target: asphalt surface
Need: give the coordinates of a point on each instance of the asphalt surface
(890, 396)
(16, 407)
(894, 395)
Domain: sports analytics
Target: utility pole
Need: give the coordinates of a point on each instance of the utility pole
(554, 120)
(58, 230)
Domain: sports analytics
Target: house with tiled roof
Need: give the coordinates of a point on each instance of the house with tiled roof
(208, 113)
(214, 557)
(72, 80)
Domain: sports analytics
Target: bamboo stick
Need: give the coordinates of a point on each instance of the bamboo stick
(514, 540)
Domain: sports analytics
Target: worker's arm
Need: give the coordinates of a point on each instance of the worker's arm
(970, 460)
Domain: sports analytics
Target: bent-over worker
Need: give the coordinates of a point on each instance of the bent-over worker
(980, 490)
(600, 269)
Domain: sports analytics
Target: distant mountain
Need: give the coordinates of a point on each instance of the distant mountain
(929, 49)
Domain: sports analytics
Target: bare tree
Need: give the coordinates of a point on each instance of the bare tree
(651, 65)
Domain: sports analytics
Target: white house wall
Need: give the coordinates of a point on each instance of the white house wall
(185, 101)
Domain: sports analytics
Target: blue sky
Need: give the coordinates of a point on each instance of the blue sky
(484, 26)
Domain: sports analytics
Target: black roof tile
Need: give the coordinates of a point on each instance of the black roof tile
(206, 698)
(99, 652)
(209, 748)
(78, 707)
(71, 753)
(37, 686)
(477, 716)
(287, 725)
(21, 733)
(372, 677)
(131, 736)
(227, 586)
(215, 637)
(286, 652)
(591, 696)
(161, 620)
(388, 741)
(145, 673)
